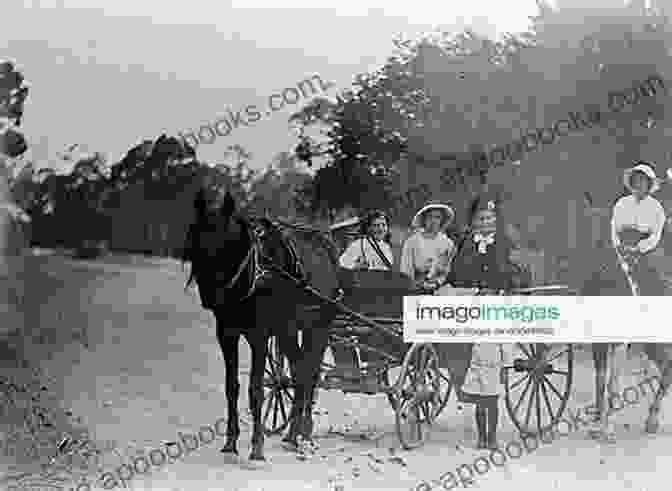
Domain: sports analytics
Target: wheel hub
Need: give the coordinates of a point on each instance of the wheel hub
(425, 393)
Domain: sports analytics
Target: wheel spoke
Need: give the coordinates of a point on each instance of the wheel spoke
(554, 389)
(524, 350)
(533, 350)
(518, 382)
(538, 398)
(529, 408)
(558, 372)
(546, 399)
(283, 410)
(529, 381)
(557, 355)
(268, 408)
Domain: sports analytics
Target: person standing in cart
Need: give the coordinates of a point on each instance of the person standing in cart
(427, 253)
(484, 261)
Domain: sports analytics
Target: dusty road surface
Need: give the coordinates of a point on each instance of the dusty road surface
(153, 374)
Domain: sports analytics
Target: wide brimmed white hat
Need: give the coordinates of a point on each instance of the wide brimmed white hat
(645, 169)
(447, 210)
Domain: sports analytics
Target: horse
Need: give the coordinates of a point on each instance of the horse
(251, 274)
(610, 279)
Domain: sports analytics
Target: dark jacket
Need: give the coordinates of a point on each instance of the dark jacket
(490, 270)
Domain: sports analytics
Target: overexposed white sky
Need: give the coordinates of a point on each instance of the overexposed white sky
(109, 73)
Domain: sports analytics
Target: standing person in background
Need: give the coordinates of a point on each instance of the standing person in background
(485, 261)
(427, 254)
(637, 225)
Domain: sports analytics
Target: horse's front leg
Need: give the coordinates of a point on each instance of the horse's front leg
(229, 347)
(259, 346)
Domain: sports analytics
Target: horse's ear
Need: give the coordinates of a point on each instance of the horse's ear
(228, 205)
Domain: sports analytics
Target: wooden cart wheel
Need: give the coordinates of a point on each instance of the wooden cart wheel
(278, 390)
(538, 384)
(420, 395)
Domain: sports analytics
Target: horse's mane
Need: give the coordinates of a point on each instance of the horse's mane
(286, 232)
(317, 237)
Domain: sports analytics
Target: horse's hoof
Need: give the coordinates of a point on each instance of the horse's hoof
(257, 457)
(229, 448)
(609, 438)
(290, 446)
(651, 426)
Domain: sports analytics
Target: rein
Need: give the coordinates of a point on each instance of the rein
(255, 255)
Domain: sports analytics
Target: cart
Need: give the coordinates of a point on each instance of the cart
(537, 385)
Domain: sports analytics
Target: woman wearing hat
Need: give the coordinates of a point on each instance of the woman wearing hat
(639, 218)
(637, 225)
(485, 261)
(372, 250)
(427, 254)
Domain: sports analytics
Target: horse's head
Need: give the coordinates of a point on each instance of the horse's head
(218, 228)
(220, 245)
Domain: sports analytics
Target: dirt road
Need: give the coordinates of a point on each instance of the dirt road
(153, 370)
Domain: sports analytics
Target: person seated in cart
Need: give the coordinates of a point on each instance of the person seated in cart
(426, 255)
(485, 261)
(372, 250)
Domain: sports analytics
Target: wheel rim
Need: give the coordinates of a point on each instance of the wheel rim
(538, 386)
(278, 391)
(419, 395)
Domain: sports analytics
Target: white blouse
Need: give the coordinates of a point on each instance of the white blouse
(426, 257)
(361, 254)
(646, 215)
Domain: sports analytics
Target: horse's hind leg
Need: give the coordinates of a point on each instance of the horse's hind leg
(600, 365)
(259, 348)
(314, 345)
(229, 347)
(665, 367)
(289, 346)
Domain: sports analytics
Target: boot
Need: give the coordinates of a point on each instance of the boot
(493, 418)
(481, 427)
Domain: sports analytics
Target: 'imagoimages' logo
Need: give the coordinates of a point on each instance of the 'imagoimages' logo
(465, 313)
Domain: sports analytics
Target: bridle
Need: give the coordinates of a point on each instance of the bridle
(256, 229)
(250, 261)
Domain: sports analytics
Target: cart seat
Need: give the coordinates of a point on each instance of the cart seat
(376, 293)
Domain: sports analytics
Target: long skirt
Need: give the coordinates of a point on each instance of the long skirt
(609, 279)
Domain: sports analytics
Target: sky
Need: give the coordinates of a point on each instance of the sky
(109, 74)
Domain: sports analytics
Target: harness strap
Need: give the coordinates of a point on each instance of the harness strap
(378, 250)
(241, 268)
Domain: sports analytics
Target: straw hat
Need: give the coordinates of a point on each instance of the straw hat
(645, 168)
(448, 212)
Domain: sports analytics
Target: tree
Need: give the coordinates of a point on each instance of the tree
(275, 191)
(13, 95)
